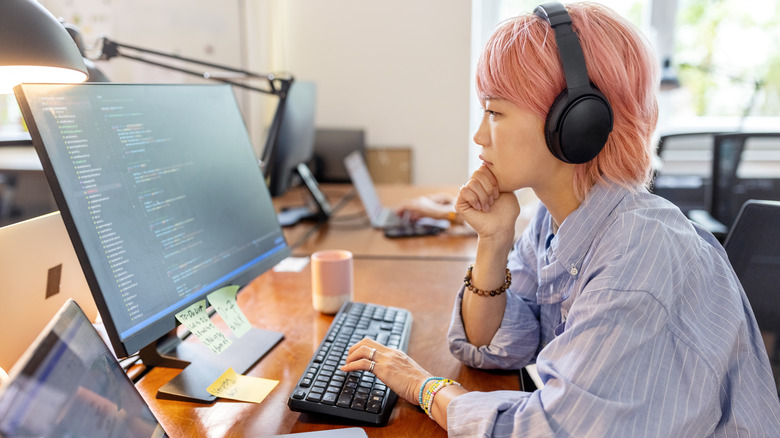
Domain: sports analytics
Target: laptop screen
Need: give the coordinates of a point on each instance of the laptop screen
(361, 179)
(69, 384)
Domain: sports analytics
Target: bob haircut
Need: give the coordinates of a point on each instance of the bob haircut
(520, 63)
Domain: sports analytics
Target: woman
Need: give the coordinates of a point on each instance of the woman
(634, 317)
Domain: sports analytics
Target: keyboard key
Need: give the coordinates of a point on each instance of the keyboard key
(330, 398)
(373, 406)
(344, 400)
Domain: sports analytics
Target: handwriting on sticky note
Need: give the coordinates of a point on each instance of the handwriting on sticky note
(238, 387)
(224, 300)
(196, 319)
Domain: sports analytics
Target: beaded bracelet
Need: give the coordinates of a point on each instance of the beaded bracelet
(427, 405)
(485, 293)
(426, 399)
(422, 388)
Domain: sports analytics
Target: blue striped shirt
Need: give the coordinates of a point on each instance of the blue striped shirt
(638, 327)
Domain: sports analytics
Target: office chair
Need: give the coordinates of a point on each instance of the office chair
(753, 248)
(745, 165)
(683, 174)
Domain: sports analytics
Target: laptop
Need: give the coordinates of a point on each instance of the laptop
(383, 217)
(753, 247)
(68, 383)
(39, 271)
(380, 216)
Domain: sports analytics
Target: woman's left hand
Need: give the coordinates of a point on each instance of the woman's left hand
(393, 367)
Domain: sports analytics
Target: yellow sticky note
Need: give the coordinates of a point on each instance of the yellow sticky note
(197, 320)
(244, 388)
(224, 301)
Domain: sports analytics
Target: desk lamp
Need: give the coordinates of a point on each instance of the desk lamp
(35, 47)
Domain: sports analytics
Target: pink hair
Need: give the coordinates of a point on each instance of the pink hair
(520, 63)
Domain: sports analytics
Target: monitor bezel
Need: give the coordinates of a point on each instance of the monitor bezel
(165, 324)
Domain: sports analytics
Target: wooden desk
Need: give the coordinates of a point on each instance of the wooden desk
(282, 302)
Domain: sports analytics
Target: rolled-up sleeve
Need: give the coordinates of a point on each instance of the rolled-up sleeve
(513, 346)
(516, 342)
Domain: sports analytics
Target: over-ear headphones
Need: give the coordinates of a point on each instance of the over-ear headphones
(580, 119)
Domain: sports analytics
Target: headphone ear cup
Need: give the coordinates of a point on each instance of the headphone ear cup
(551, 125)
(577, 129)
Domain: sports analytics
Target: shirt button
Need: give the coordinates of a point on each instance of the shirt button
(574, 270)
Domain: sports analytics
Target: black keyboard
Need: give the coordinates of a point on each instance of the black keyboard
(357, 395)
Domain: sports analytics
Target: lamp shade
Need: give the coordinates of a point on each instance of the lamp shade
(35, 47)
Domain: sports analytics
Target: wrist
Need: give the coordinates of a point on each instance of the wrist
(423, 386)
(487, 293)
(490, 263)
(432, 387)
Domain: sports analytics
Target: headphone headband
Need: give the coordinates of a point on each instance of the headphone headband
(569, 49)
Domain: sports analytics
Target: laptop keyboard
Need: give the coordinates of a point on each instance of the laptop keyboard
(388, 218)
(358, 395)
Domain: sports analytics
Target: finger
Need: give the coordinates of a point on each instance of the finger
(491, 180)
(468, 199)
(362, 352)
(488, 179)
(475, 194)
(365, 341)
(483, 185)
(358, 365)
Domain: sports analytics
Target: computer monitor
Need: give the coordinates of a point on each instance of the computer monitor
(163, 198)
(293, 149)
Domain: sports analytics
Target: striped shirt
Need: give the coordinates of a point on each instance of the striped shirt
(638, 327)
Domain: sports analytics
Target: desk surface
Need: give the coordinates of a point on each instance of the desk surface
(282, 302)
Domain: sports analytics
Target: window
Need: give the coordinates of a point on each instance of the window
(724, 56)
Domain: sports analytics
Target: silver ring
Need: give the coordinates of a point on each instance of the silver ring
(371, 355)
(371, 367)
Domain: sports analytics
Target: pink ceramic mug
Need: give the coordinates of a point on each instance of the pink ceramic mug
(332, 279)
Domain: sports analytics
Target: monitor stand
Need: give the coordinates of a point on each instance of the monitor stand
(292, 215)
(201, 367)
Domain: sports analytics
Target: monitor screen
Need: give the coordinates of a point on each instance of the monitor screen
(161, 193)
(295, 141)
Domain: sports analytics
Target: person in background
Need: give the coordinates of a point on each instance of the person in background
(436, 206)
(633, 315)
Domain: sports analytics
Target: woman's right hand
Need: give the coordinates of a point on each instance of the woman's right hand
(491, 213)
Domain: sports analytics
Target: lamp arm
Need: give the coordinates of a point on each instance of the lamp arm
(278, 85)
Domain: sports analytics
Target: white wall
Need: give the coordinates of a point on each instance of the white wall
(400, 70)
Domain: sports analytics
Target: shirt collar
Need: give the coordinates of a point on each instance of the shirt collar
(576, 233)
